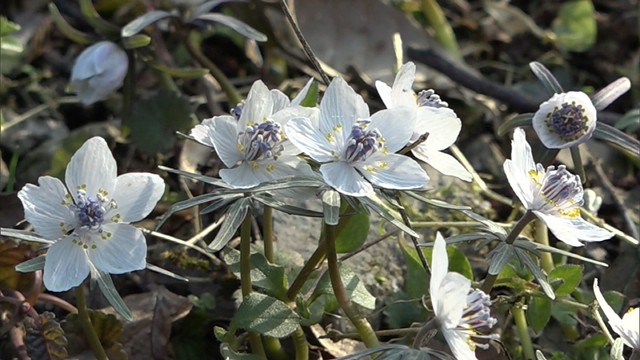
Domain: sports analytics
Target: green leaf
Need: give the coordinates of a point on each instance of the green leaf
(517, 121)
(354, 233)
(436, 202)
(614, 299)
(608, 133)
(311, 99)
(187, 73)
(264, 275)
(97, 22)
(592, 347)
(268, 200)
(234, 217)
(630, 121)
(181, 205)
(228, 354)
(576, 25)
(564, 314)
(546, 77)
(526, 259)
(538, 313)
(45, 338)
(7, 27)
(156, 119)
(143, 21)
(37, 263)
(24, 235)
(235, 24)
(379, 207)
(352, 284)
(136, 41)
(67, 30)
(569, 275)
(111, 294)
(265, 315)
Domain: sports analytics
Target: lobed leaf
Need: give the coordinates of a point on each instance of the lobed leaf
(265, 315)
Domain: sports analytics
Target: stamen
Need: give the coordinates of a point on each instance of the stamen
(568, 121)
(431, 99)
(561, 189)
(90, 211)
(237, 111)
(362, 143)
(475, 316)
(261, 141)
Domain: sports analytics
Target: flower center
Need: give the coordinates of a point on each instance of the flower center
(261, 141)
(362, 142)
(477, 315)
(562, 190)
(568, 121)
(431, 99)
(90, 211)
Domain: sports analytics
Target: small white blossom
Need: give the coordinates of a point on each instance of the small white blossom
(433, 117)
(251, 142)
(355, 149)
(460, 311)
(89, 217)
(554, 195)
(569, 118)
(99, 70)
(627, 327)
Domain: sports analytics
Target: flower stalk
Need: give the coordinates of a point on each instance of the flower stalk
(523, 330)
(542, 237)
(361, 324)
(267, 233)
(87, 326)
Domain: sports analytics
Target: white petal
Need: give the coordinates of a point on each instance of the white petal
(283, 116)
(308, 139)
(344, 178)
(615, 321)
(444, 163)
(224, 135)
(94, 166)
(203, 132)
(573, 230)
(241, 176)
(259, 105)
(442, 124)
(393, 171)
(396, 126)
(631, 326)
(269, 170)
(136, 195)
(66, 265)
(280, 100)
(459, 346)
(548, 136)
(124, 251)
(401, 91)
(452, 299)
(341, 107)
(521, 152)
(384, 91)
(439, 268)
(303, 93)
(43, 207)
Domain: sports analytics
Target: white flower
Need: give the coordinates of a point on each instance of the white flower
(553, 195)
(354, 147)
(252, 144)
(569, 118)
(627, 327)
(99, 70)
(460, 311)
(432, 116)
(89, 218)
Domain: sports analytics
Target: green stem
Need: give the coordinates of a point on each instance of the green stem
(438, 21)
(427, 331)
(577, 163)
(359, 322)
(309, 266)
(528, 216)
(274, 348)
(194, 49)
(245, 278)
(523, 330)
(267, 233)
(87, 327)
(300, 344)
(542, 237)
(128, 91)
(549, 156)
(596, 315)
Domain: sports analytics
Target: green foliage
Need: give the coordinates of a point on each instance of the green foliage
(227, 352)
(569, 277)
(356, 290)
(155, 120)
(107, 327)
(538, 313)
(311, 99)
(264, 275)
(593, 347)
(265, 315)
(193, 335)
(44, 338)
(353, 234)
(576, 25)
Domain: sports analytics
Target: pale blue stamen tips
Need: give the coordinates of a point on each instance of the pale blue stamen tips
(559, 185)
(568, 121)
(431, 99)
(475, 316)
(261, 141)
(362, 143)
(237, 111)
(90, 211)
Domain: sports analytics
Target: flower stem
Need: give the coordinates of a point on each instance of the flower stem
(361, 324)
(87, 327)
(444, 33)
(128, 90)
(427, 331)
(245, 278)
(542, 237)
(577, 163)
(267, 233)
(523, 330)
(194, 49)
(307, 270)
(596, 315)
(528, 216)
(300, 344)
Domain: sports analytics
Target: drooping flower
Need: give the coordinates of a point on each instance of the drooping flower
(554, 195)
(627, 327)
(355, 149)
(460, 311)
(99, 70)
(88, 219)
(251, 142)
(433, 117)
(569, 118)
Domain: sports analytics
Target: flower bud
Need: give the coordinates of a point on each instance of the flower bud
(99, 70)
